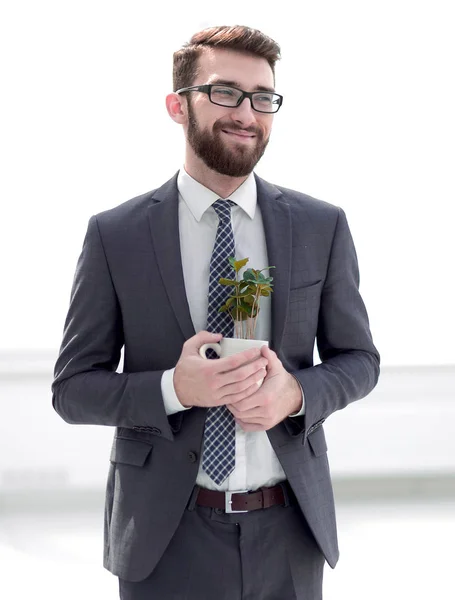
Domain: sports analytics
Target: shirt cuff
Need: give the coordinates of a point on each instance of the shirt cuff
(171, 402)
(302, 410)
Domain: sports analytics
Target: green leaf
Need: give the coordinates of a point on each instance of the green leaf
(244, 288)
(237, 296)
(244, 299)
(246, 308)
(224, 281)
(249, 275)
(239, 313)
(265, 269)
(239, 264)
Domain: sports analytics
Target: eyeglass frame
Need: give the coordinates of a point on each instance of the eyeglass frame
(206, 89)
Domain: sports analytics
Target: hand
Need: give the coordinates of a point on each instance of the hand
(202, 382)
(279, 396)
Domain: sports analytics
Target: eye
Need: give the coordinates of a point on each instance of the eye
(224, 91)
(264, 98)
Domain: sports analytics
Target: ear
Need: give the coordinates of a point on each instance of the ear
(176, 108)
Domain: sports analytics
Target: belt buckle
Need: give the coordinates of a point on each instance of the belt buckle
(228, 501)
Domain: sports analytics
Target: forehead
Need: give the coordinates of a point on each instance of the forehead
(248, 71)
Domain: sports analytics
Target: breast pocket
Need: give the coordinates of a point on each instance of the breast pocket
(130, 452)
(306, 296)
(302, 319)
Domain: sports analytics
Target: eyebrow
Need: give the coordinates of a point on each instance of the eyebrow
(258, 88)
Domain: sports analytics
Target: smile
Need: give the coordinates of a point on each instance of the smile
(239, 135)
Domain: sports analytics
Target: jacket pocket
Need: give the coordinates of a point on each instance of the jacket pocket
(317, 442)
(130, 452)
(304, 290)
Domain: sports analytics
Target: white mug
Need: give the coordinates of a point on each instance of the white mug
(230, 346)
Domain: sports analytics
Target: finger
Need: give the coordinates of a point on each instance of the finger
(268, 353)
(241, 374)
(254, 402)
(192, 345)
(272, 357)
(233, 398)
(253, 415)
(257, 412)
(254, 409)
(236, 388)
(229, 363)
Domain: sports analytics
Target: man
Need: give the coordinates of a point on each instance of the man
(190, 431)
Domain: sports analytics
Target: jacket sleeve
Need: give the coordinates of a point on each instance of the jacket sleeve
(349, 367)
(86, 387)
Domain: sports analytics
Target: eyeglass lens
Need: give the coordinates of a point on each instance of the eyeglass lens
(228, 96)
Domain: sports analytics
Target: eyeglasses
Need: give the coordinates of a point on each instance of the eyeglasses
(225, 95)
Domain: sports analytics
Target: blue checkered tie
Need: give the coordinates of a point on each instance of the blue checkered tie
(218, 458)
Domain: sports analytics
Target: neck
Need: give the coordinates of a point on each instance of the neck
(222, 185)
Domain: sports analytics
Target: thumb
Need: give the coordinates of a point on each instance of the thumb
(273, 360)
(192, 345)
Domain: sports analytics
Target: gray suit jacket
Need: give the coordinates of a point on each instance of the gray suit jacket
(129, 291)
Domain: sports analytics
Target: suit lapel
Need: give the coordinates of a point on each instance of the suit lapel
(164, 227)
(276, 217)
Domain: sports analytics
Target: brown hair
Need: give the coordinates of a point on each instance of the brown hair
(236, 37)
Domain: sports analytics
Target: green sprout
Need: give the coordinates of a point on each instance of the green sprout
(244, 302)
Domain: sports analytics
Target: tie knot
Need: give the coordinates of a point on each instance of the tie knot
(223, 209)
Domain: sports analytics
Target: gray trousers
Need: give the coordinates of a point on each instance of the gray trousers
(266, 554)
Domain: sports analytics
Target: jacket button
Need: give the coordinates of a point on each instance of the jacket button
(192, 457)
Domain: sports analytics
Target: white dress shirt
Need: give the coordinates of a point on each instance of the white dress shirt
(256, 463)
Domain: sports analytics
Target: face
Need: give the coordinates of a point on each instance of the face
(229, 141)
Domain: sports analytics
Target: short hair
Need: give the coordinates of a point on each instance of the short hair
(236, 37)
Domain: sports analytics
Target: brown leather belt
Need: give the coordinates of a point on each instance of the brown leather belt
(242, 500)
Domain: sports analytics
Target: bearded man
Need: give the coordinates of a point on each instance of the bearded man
(218, 487)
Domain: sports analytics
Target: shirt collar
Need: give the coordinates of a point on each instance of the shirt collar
(198, 198)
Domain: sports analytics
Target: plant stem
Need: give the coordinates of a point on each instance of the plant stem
(256, 302)
(237, 290)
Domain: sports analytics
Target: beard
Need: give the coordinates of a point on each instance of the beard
(238, 161)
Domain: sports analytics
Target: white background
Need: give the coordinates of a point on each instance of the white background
(367, 124)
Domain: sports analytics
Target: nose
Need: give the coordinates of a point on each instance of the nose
(244, 113)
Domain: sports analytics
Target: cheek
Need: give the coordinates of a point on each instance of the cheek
(266, 125)
(205, 113)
